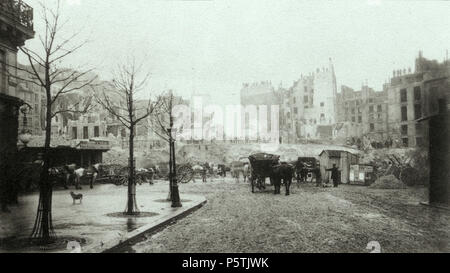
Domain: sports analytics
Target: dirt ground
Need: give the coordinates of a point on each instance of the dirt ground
(312, 219)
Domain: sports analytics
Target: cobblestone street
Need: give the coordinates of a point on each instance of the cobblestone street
(310, 220)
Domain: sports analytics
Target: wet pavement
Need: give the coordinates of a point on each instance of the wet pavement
(98, 220)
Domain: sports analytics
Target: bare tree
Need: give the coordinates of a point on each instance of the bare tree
(122, 103)
(162, 123)
(45, 69)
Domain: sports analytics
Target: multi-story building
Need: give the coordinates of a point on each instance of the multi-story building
(258, 94)
(413, 95)
(363, 113)
(307, 109)
(34, 95)
(16, 26)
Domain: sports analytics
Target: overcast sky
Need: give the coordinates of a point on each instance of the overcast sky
(215, 46)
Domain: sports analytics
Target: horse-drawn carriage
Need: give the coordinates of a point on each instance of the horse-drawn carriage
(267, 165)
(119, 175)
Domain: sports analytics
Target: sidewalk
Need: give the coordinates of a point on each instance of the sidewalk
(90, 220)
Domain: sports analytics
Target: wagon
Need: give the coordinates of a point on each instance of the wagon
(261, 168)
(118, 175)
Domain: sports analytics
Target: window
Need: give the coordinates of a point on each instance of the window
(403, 95)
(322, 116)
(85, 132)
(306, 99)
(379, 108)
(417, 93)
(294, 100)
(360, 119)
(372, 127)
(96, 131)
(353, 110)
(295, 110)
(371, 109)
(322, 104)
(417, 111)
(404, 130)
(353, 119)
(74, 132)
(404, 113)
(370, 100)
(36, 109)
(359, 110)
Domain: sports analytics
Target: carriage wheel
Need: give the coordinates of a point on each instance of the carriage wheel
(123, 180)
(185, 174)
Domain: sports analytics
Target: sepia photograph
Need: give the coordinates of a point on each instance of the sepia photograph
(202, 127)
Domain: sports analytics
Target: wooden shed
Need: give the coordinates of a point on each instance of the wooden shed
(343, 161)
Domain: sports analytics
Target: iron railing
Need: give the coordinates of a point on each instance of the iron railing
(18, 11)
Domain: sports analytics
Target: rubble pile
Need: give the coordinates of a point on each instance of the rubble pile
(388, 182)
(410, 166)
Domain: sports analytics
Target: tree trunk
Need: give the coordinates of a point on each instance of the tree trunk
(131, 204)
(175, 198)
(43, 227)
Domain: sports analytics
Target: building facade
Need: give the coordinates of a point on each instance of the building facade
(308, 108)
(414, 95)
(364, 112)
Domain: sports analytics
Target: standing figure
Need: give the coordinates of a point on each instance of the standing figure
(151, 173)
(318, 176)
(246, 172)
(204, 171)
(299, 171)
(70, 172)
(334, 175)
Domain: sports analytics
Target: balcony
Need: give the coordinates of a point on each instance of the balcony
(18, 13)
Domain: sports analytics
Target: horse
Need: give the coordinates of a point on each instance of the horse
(91, 172)
(285, 172)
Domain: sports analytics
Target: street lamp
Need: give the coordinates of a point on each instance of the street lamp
(25, 134)
(176, 202)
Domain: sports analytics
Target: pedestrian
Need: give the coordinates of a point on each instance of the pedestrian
(318, 175)
(204, 175)
(151, 173)
(246, 172)
(334, 175)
